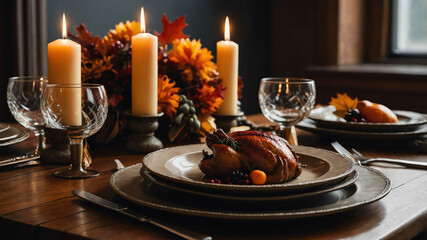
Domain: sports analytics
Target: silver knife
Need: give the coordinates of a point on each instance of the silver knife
(185, 233)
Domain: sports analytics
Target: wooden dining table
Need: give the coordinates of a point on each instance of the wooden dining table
(36, 205)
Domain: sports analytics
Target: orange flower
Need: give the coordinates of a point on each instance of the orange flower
(208, 98)
(125, 31)
(192, 59)
(93, 69)
(168, 99)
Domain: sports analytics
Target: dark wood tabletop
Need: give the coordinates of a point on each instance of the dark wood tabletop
(36, 205)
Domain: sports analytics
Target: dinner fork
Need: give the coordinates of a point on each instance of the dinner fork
(343, 152)
(364, 160)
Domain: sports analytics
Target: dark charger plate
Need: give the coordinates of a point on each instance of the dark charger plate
(371, 186)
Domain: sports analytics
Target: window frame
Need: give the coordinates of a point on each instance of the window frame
(393, 41)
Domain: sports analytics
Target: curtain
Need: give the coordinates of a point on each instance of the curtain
(23, 44)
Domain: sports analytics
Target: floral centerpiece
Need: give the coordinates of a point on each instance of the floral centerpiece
(189, 87)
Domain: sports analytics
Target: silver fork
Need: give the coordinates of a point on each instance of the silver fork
(343, 152)
(364, 160)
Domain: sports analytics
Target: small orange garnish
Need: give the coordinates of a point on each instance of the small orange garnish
(258, 177)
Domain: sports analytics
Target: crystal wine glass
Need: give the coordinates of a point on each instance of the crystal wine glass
(81, 110)
(23, 98)
(286, 101)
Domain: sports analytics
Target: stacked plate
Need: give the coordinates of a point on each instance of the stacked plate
(322, 120)
(10, 135)
(170, 180)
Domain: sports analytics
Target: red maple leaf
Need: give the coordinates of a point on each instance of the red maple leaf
(171, 31)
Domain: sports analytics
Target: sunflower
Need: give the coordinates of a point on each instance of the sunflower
(194, 61)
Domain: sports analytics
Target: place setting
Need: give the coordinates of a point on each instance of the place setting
(336, 120)
(354, 187)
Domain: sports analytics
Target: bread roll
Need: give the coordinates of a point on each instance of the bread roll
(376, 113)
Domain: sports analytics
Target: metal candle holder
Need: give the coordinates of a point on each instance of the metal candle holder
(58, 150)
(226, 122)
(142, 128)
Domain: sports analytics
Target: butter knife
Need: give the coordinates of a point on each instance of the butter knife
(185, 233)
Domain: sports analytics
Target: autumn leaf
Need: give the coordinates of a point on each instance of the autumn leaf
(171, 31)
(343, 103)
(83, 36)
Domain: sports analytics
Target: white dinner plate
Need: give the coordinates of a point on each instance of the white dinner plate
(370, 187)
(407, 121)
(179, 165)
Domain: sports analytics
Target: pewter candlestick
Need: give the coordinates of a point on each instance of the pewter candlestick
(142, 128)
(226, 122)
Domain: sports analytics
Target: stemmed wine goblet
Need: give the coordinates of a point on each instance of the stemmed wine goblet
(286, 101)
(23, 98)
(81, 110)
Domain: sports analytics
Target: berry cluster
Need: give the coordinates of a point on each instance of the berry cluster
(187, 113)
(237, 178)
(354, 116)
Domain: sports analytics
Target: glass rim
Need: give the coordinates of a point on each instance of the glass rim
(288, 80)
(29, 78)
(74, 85)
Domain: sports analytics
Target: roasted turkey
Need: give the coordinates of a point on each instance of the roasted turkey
(246, 150)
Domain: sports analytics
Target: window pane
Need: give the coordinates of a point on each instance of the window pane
(410, 27)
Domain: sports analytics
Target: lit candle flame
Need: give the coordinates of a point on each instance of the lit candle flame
(142, 22)
(227, 30)
(287, 86)
(64, 27)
